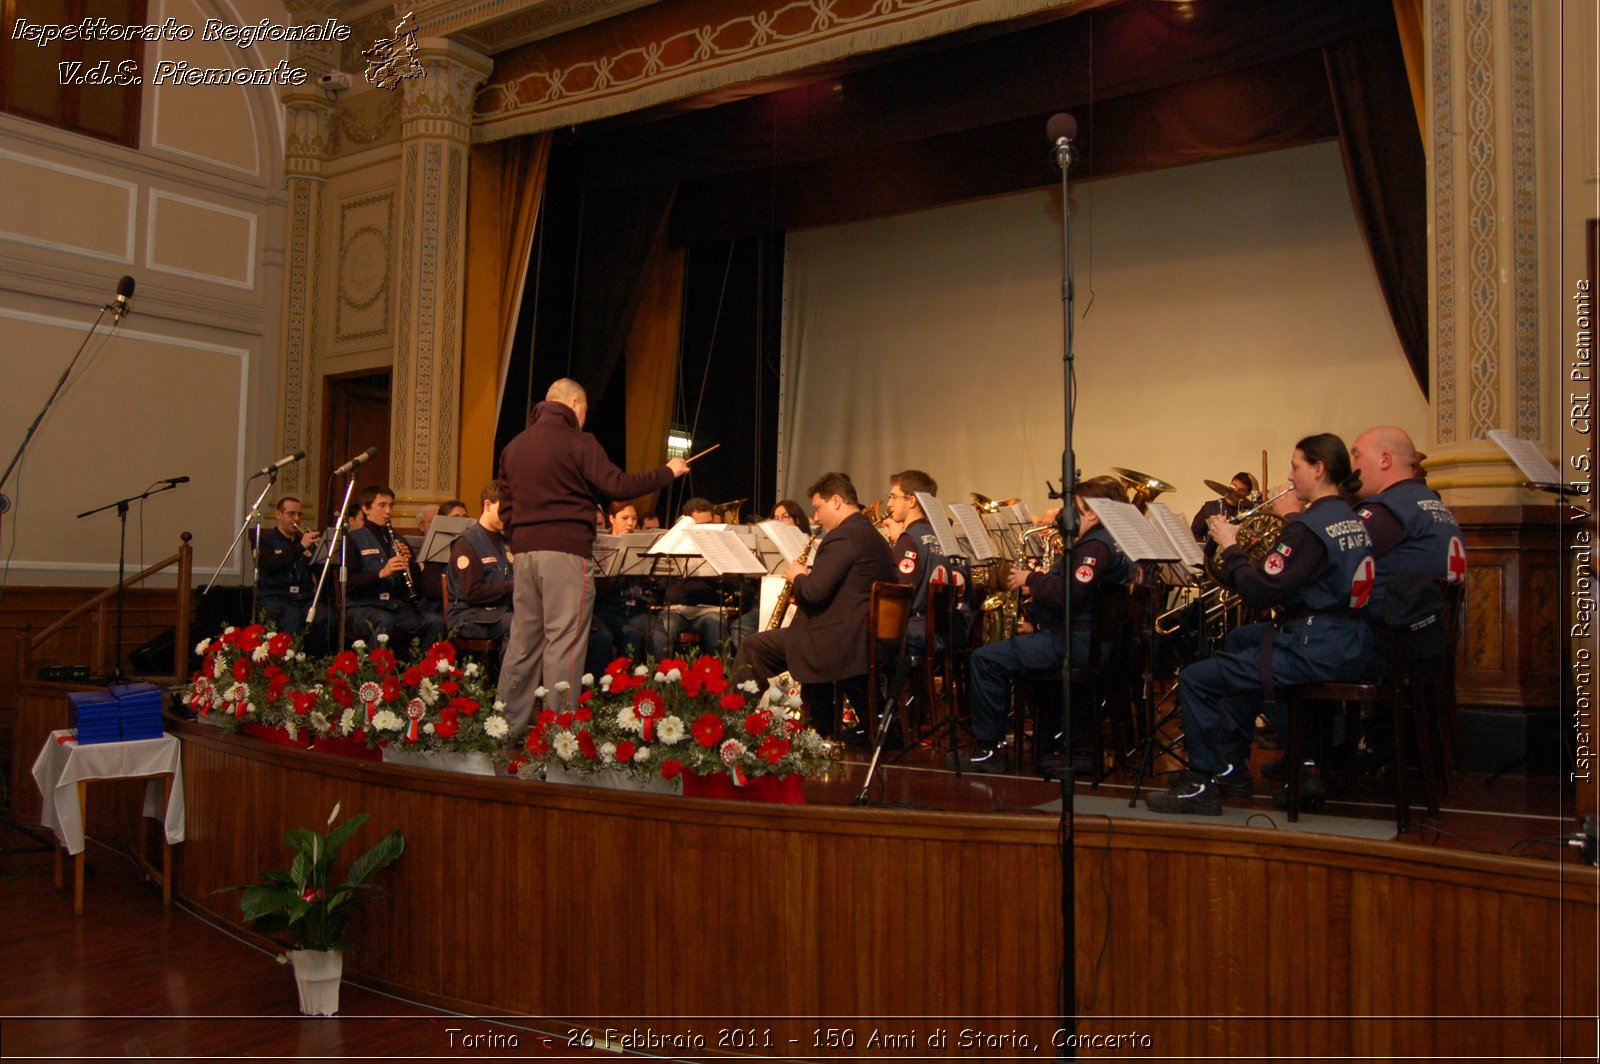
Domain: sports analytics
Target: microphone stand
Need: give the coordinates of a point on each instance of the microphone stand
(5, 501)
(122, 557)
(337, 544)
(252, 514)
(1064, 154)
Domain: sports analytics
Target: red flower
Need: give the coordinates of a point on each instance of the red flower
(547, 717)
(791, 727)
(581, 714)
(449, 687)
(250, 638)
(756, 723)
(583, 699)
(391, 689)
(446, 729)
(241, 670)
(536, 744)
(464, 705)
(302, 701)
(346, 662)
(384, 659)
(691, 685)
(341, 693)
(772, 749)
(666, 665)
(412, 676)
(564, 719)
(625, 751)
(619, 667)
(279, 644)
(731, 701)
(586, 744)
(670, 768)
(708, 729)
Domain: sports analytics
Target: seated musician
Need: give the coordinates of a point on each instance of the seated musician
(284, 579)
(694, 603)
(382, 581)
(480, 575)
(792, 513)
(1243, 486)
(1320, 574)
(826, 646)
(1095, 566)
(918, 562)
(626, 607)
(433, 573)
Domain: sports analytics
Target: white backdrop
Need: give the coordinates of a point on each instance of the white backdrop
(1224, 308)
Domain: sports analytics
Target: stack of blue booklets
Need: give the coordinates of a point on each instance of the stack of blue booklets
(96, 716)
(138, 710)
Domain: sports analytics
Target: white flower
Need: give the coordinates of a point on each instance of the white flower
(749, 687)
(443, 666)
(347, 721)
(499, 706)
(359, 644)
(540, 691)
(496, 727)
(228, 630)
(200, 647)
(794, 702)
(642, 754)
(605, 682)
(383, 637)
(670, 730)
(293, 729)
(428, 691)
(387, 720)
(249, 709)
(588, 679)
(335, 814)
(300, 655)
(641, 670)
(562, 685)
(260, 653)
(565, 745)
(428, 728)
(674, 676)
(319, 722)
(608, 753)
(470, 669)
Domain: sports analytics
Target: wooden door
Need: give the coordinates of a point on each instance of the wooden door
(356, 417)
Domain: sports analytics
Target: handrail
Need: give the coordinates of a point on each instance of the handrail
(184, 560)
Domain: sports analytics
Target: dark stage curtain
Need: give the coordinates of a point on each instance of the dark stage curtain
(1386, 169)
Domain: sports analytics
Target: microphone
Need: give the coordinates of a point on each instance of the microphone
(176, 480)
(350, 466)
(1061, 131)
(124, 293)
(288, 459)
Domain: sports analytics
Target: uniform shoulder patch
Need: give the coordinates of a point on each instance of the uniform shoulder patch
(908, 564)
(462, 561)
(1273, 565)
(1083, 574)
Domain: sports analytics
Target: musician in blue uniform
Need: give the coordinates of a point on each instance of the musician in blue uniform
(382, 581)
(480, 575)
(918, 561)
(1068, 590)
(1416, 541)
(284, 580)
(1319, 575)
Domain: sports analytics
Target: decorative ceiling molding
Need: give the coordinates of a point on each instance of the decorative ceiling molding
(493, 26)
(674, 51)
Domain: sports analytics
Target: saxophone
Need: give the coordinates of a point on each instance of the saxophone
(780, 609)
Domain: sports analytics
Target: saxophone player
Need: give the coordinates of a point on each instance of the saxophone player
(383, 580)
(825, 647)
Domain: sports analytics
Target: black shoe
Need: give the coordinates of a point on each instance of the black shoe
(1198, 798)
(1232, 782)
(1267, 736)
(984, 759)
(1313, 793)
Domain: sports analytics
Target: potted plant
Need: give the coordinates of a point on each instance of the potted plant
(303, 909)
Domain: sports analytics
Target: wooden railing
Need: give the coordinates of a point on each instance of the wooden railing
(104, 609)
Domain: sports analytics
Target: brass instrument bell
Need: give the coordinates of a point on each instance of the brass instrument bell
(1143, 486)
(986, 505)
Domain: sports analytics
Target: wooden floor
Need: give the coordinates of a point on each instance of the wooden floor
(131, 979)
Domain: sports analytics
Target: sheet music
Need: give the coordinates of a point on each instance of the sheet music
(608, 553)
(442, 535)
(725, 552)
(1134, 535)
(1534, 465)
(1175, 531)
(679, 538)
(944, 534)
(970, 523)
(789, 540)
(1020, 514)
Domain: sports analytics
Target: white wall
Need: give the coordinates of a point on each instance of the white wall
(1224, 308)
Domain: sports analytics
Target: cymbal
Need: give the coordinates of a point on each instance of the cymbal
(1144, 480)
(1229, 494)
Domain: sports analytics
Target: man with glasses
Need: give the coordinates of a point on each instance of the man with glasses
(283, 576)
(918, 562)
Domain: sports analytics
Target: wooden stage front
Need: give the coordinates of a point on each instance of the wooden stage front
(804, 930)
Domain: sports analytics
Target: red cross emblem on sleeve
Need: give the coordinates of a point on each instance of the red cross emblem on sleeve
(1456, 561)
(1361, 585)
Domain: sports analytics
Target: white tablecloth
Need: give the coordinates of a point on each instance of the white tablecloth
(60, 766)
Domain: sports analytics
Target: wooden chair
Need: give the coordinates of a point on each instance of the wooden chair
(485, 650)
(888, 620)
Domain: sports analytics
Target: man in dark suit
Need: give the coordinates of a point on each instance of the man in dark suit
(825, 646)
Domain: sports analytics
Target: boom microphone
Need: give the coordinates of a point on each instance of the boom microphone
(350, 466)
(176, 480)
(288, 459)
(124, 293)
(1061, 131)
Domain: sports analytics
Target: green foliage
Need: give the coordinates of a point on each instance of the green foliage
(302, 907)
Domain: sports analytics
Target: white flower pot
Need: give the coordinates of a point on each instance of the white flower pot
(317, 973)
(611, 780)
(473, 764)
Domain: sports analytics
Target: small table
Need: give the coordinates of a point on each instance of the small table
(63, 770)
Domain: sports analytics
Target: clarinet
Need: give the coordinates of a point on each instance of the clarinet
(395, 548)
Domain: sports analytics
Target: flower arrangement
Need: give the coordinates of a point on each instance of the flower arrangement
(673, 717)
(254, 675)
(302, 907)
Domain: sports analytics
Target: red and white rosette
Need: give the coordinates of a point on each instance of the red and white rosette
(414, 711)
(370, 693)
(649, 711)
(731, 752)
